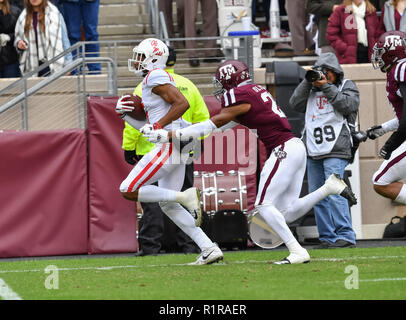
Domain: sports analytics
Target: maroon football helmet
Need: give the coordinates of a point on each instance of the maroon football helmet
(389, 48)
(230, 74)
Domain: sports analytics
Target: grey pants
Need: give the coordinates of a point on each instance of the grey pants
(209, 13)
(166, 7)
(298, 19)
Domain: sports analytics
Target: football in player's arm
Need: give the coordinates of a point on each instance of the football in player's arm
(165, 105)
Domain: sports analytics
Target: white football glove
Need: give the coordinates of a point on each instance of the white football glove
(375, 132)
(123, 105)
(157, 136)
(146, 128)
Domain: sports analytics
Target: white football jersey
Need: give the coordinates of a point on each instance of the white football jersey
(154, 105)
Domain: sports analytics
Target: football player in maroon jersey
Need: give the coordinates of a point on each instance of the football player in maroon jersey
(389, 55)
(281, 178)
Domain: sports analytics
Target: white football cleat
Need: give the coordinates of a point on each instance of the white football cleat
(336, 185)
(208, 256)
(295, 258)
(190, 199)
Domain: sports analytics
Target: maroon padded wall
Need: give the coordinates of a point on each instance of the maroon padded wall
(112, 219)
(43, 193)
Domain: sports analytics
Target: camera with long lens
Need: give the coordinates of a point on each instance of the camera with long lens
(316, 73)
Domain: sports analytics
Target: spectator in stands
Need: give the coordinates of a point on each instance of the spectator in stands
(167, 8)
(266, 7)
(210, 26)
(393, 16)
(330, 104)
(322, 9)
(353, 30)
(302, 40)
(84, 13)
(40, 35)
(135, 146)
(282, 49)
(8, 54)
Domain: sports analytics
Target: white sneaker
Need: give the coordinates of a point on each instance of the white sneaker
(295, 258)
(208, 256)
(190, 199)
(336, 185)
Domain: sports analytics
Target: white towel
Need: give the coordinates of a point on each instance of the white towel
(359, 13)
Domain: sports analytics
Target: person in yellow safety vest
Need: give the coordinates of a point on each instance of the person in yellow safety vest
(151, 230)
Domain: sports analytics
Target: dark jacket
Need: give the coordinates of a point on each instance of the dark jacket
(344, 39)
(322, 9)
(345, 102)
(8, 53)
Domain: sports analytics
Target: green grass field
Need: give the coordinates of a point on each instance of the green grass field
(372, 273)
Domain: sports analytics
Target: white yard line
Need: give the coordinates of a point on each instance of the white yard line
(185, 264)
(382, 279)
(358, 258)
(6, 293)
(373, 280)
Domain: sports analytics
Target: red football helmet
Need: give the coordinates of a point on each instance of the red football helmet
(389, 48)
(230, 74)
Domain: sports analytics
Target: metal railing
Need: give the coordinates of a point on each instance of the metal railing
(152, 7)
(57, 101)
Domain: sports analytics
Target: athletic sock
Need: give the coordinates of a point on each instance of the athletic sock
(294, 246)
(277, 222)
(401, 198)
(153, 193)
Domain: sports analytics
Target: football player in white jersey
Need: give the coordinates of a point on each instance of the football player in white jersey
(164, 105)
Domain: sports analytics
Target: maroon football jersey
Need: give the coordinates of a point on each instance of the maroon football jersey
(393, 79)
(264, 116)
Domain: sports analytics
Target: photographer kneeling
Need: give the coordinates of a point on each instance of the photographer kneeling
(330, 103)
